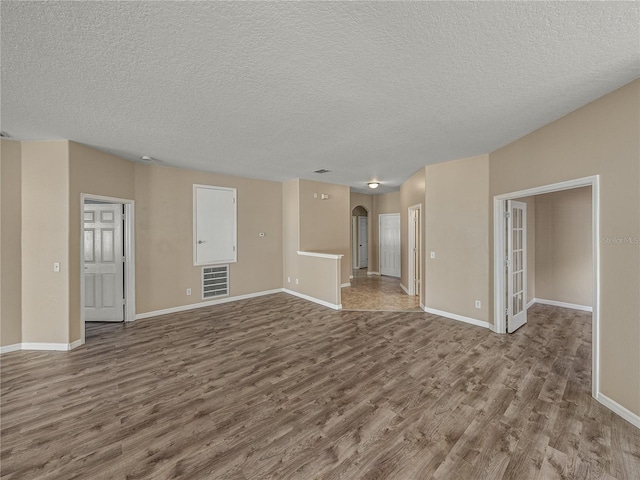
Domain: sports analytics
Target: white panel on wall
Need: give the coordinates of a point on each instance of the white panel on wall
(214, 229)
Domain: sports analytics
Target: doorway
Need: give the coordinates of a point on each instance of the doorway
(501, 212)
(359, 238)
(107, 260)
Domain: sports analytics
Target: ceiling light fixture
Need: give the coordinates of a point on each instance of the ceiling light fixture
(373, 184)
(146, 158)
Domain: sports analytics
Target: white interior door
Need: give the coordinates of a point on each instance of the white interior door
(103, 263)
(363, 242)
(354, 242)
(516, 265)
(389, 233)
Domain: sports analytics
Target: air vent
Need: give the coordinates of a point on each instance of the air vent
(215, 281)
(4, 135)
(322, 170)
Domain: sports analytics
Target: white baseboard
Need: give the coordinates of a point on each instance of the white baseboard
(554, 303)
(11, 348)
(313, 299)
(55, 347)
(208, 303)
(373, 273)
(618, 409)
(350, 277)
(455, 316)
(531, 303)
(404, 289)
(348, 284)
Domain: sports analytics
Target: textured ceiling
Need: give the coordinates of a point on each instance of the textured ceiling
(275, 90)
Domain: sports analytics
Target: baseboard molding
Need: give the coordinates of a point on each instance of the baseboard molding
(350, 277)
(348, 284)
(75, 344)
(57, 347)
(11, 348)
(404, 289)
(373, 273)
(313, 299)
(208, 303)
(531, 304)
(554, 303)
(460, 318)
(618, 409)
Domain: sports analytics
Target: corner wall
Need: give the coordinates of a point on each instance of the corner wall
(10, 243)
(412, 192)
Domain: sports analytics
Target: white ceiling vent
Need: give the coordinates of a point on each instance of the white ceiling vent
(215, 281)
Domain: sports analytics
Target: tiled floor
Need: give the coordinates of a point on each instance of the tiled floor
(377, 292)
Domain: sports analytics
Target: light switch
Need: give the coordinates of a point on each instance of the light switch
(56, 267)
(433, 254)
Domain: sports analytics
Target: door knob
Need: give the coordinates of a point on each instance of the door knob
(201, 241)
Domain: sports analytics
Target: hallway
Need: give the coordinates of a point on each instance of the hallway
(377, 292)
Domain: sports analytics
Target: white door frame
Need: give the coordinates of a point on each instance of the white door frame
(130, 252)
(411, 237)
(499, 284)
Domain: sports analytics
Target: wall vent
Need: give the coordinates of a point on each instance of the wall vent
(215, 281)
(322, 170)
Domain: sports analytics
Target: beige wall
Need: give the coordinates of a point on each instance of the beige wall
(601, 138)
(10, 243)
(564, 250)
(291, 227)
(325, 225)
(457, 223)
(412, 192)
(45, 240)
(98, 173)
(164, 236)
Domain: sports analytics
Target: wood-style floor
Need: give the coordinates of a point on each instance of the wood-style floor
(279, 388)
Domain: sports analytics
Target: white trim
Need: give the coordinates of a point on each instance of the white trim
(404, 289)
(373, 273)
(209, 303)
(10, 348)
(411, 235)
(58, 347)
(343, 285)
(313, 299)
(531, 303)
(554, 303)
(334, 256)
(618, 409)
(455, 316)
(129, 250)
(498, 259)
(350, 277)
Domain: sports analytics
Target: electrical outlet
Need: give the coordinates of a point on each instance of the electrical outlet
(297, 281)
(288, 279)
(188, 291)
(433, 254)
(478, 304)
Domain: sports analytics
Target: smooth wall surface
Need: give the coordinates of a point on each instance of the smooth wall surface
(164, 236)
(10, 243)
(457, 223)
(325, 225)
(94, 172)
(564, 248)
(412, 192)
(601, 138)
(45, 240)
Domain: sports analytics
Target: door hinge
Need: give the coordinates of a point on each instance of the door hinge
(124, 259)
(234, 248)
(234, 199)
(506, 262)
(507, 214)
(506, 312)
